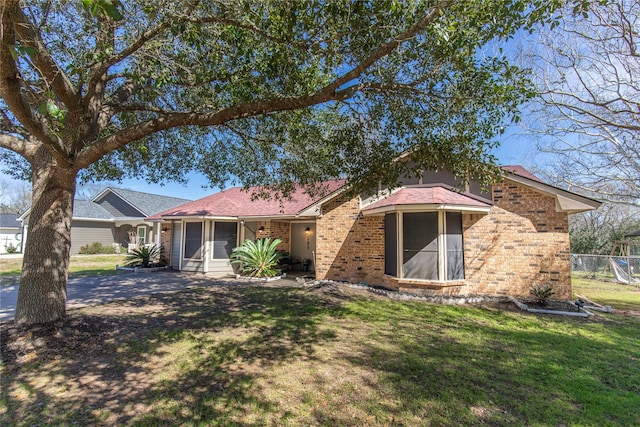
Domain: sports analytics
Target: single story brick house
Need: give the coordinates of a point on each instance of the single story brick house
(427, 236)
(113, 216)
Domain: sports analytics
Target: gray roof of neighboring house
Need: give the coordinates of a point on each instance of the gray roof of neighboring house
(89, 209)
(9, 220)
(148, 203)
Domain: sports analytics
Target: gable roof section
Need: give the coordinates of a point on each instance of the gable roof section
(566, 201)
(8, 220)
(146, 203)
(437, 197)
(237, 202)
(86, 209)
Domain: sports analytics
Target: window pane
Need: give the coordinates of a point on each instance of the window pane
(193, 240)
(390, 245)
(455, 250)
(420, 245)
(225, 236)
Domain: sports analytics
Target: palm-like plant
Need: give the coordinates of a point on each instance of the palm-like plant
(144, 256)
(259, 258)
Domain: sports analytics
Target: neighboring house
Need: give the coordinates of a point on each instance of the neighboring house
(10, 232)
(428, 236)
(116, 217)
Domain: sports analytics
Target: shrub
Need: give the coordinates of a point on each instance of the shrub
(96, 248)
(11, 248)
(145, 256)
(541, 293)
(259, 258)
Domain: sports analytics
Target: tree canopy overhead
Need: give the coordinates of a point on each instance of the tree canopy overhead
(270, 92)
(262, 91)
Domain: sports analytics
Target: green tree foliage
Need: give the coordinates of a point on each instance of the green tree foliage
(598, 232)
(268, 93)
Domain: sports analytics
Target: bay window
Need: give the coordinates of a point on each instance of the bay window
(424, 245)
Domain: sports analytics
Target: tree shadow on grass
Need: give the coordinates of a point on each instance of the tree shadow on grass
(179, 358)
(473, 366)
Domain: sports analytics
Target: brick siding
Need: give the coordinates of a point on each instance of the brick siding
(521, 243)
(275, 230)
(349, 246)
(165, 241)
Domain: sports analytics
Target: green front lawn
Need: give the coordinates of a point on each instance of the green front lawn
(251, 355)
(79, 265)
(617, 295)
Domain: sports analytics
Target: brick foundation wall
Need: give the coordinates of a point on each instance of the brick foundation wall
(349, 246)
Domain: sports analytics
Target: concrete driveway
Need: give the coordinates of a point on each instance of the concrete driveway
(86, 291)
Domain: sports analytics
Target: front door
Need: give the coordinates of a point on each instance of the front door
(142, 235)
(303, 245)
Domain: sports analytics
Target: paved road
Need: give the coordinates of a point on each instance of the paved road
(96, 290)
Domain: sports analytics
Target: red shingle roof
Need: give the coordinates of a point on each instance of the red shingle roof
(237, 202)
(519, 170)
(426, 196)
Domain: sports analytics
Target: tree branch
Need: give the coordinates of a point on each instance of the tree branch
(326, 94)
(10, 81)
(22, 146)
(28, 35)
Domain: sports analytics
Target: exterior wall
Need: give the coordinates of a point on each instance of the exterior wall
(275, 230)
(165, 242)
(350, 246)
(521, 243)
(118, 207)
(86, 232)
(8, 237)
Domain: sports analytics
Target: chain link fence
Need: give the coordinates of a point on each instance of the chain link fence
(622, 269)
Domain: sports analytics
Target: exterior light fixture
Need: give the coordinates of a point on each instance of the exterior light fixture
(261, 228)
(307, 230)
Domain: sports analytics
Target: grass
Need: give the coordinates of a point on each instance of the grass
(250, 355)
(79, 265)
(617, 295)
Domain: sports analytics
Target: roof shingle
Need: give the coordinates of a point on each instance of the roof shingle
(425, 196)
(237, 202)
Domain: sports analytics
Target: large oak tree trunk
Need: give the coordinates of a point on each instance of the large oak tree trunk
(42, 295)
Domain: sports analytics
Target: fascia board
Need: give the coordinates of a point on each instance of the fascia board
(427, 207)
(80, 218)
(193, 217)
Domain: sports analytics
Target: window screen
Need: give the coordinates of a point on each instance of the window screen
(225, 236)
(390, 245)
(455, 250)
(420, 245)
(193, 240)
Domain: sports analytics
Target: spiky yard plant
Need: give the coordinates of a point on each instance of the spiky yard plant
(259, 258)
(144, 256)
(541, 293)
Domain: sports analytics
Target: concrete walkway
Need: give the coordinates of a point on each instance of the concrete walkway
(86, 291)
